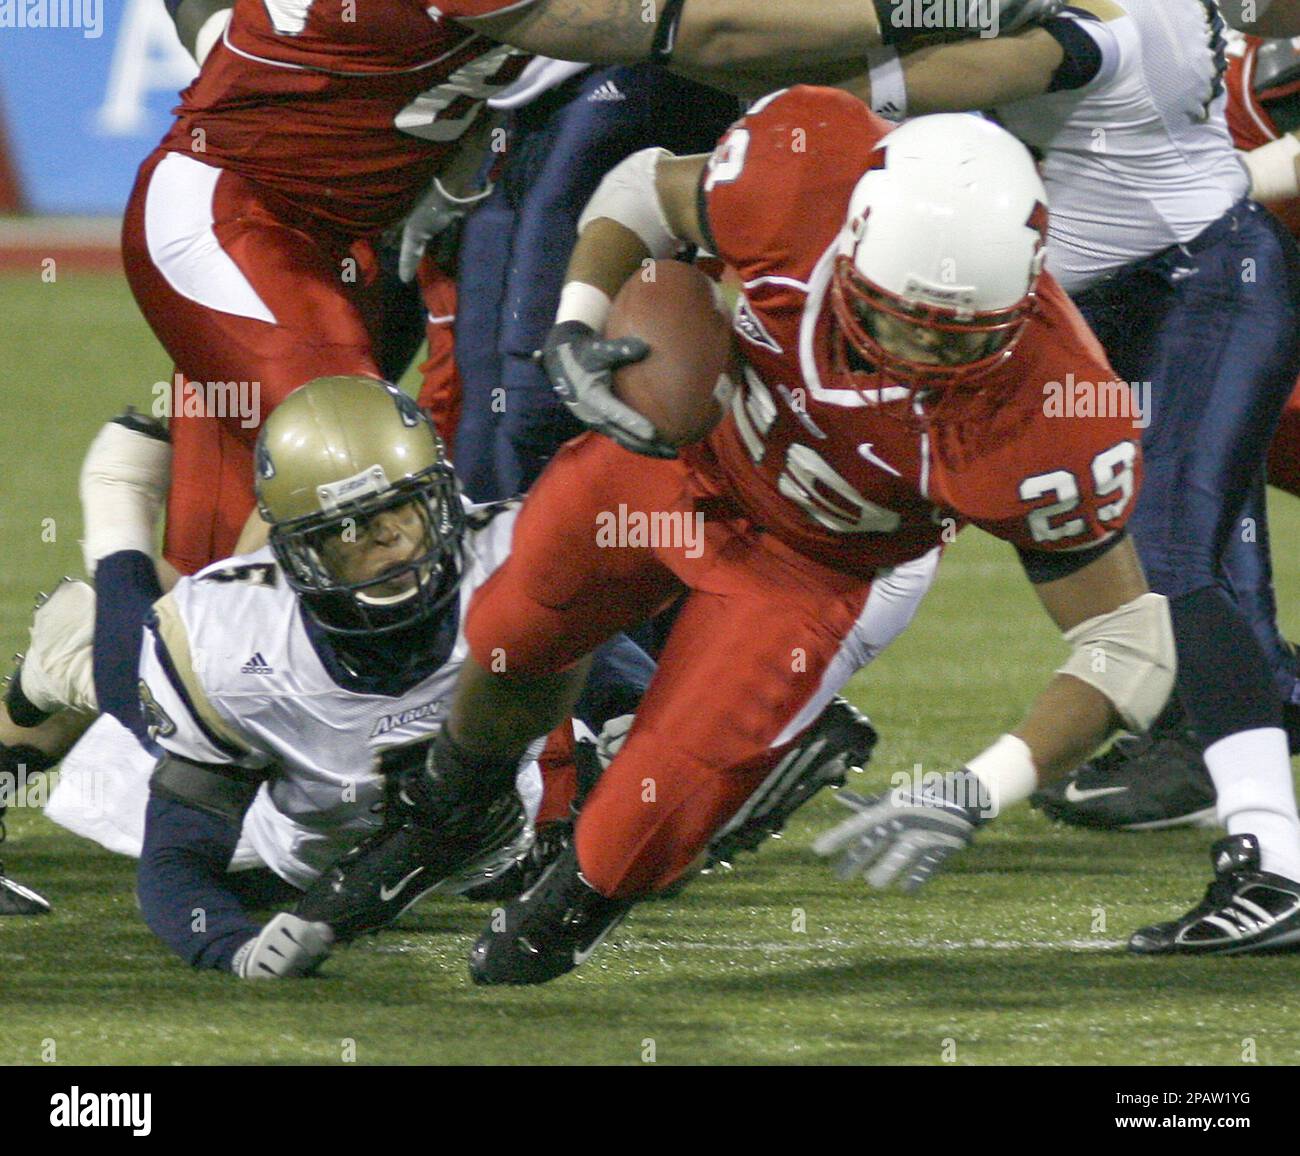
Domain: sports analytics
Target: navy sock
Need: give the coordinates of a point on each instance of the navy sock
(1224, 681)
(126, 587)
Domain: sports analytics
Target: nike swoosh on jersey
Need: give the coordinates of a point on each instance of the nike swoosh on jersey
(865, 450)
(387, 893)
(1074, 795)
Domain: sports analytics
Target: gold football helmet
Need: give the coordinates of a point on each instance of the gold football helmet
(332, 456)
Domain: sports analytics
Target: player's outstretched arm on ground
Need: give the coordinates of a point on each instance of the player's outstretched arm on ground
(716, 40)
(200, 23)
(192, 826)
(1120, 671)
(645, 208)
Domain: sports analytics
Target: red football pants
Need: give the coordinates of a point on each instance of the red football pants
(240, 286)
(606, 539)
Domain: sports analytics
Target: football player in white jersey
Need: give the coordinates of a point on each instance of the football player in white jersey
(287, 690)
(1194, 292)
(281, 689)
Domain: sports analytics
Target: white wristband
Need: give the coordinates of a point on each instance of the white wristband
(1007, 770)
(888, 85)
(210, 33)
(1272, 169)
(582, 302)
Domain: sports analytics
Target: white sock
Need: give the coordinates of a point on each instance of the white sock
(1252, 774)
(124, 481)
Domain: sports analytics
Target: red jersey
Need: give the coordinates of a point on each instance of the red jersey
(812, 460)
(345, 107)
(1248, 118)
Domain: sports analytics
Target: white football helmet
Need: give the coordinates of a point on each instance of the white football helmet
(946, 231)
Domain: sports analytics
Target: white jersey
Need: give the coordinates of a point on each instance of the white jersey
(229, 675)
(1140, 158)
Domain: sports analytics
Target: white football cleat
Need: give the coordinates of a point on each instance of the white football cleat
(57, 670)
(124, 481)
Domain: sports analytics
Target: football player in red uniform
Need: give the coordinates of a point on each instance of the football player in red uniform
(313, 126)
(901, 345)
(248, 239)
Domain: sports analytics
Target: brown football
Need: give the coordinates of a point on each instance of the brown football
(685, 385)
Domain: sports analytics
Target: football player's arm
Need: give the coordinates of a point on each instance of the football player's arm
(204, 783)
(646, 207)
(182, 880)
(716, 40)
(1121, 668)
(461, 183)
(200, 23)
(1063, 54)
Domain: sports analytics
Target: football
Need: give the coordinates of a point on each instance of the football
(686, 383)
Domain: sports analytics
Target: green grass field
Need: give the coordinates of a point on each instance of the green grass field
(1012, 956)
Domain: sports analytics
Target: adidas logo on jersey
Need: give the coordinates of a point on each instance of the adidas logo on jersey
(256, 665)
(607, 91)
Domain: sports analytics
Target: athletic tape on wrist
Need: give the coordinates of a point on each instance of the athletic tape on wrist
(582, 302)
(1007, 770)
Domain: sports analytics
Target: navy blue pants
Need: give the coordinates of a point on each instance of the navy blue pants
(515, 248)
(1214, 326)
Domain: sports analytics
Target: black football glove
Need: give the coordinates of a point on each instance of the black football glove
(581, 367)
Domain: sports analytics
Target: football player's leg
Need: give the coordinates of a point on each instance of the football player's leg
(251, 299)
(1225, 385)
(557, 597)
(726, 704)
(480, 281)
(1248, 572)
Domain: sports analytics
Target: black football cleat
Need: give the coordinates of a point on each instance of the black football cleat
(549, 930)
(393, 868)
(549, 842)
(1140, 784)
(1244, 910)
(839, 738)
